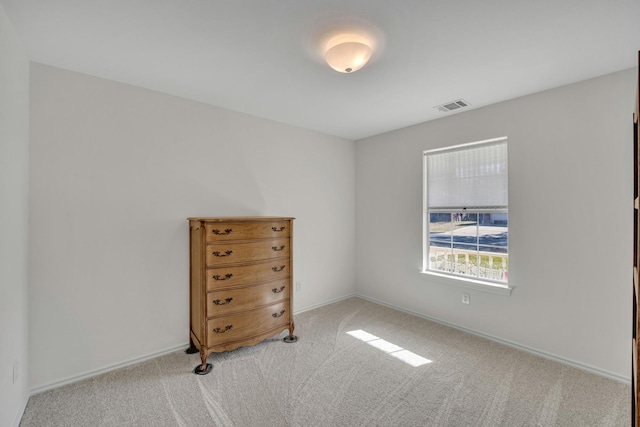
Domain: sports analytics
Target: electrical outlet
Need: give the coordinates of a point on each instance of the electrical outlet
(298, 286)
(16, 370)
(466, 298)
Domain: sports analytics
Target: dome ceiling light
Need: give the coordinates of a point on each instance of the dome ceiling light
(345, 44)
(347, 53)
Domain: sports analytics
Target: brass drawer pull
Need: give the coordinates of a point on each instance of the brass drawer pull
(278, 315)
(219, 255)
(222, 233)
(218, 302)
(276, 249)
(220, 331)
(226, 277)
(277, 230)
(276, 269)
(277, 291)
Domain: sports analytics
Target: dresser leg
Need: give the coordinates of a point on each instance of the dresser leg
(192, 348)
(205, 367)
(291, 338)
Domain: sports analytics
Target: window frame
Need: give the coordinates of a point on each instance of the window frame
(452, 278)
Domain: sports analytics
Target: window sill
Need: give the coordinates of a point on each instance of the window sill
(463, 282)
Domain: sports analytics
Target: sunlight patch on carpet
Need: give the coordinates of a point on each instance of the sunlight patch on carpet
(390, 348)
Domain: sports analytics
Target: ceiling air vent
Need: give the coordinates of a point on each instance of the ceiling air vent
(452, 105)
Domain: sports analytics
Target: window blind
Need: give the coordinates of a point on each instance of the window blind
(468, 176)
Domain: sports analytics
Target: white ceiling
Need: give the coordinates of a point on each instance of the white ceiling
(259, 56)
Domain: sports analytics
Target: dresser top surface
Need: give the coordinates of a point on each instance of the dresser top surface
(241, 218)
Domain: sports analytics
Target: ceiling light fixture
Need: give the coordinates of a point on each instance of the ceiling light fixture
(347, 53)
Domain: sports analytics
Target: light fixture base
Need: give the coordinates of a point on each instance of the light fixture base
(347, 57)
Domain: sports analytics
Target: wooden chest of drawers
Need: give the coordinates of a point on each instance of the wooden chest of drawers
(240, 282)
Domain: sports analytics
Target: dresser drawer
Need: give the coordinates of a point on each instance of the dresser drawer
(233, 276)
(223, 302)
(231, 253)
(216, 232)
(240, 326)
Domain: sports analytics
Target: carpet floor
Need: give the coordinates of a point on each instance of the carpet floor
(356, 363)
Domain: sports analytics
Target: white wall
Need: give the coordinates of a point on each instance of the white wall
(14, 186)
(115, 172)
(570, 222)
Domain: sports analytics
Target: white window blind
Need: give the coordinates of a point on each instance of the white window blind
(468, 176)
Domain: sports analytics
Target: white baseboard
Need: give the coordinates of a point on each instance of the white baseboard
(135, 360)
(18, 418)
(108, 368)
(313, 307)
(93, 373)
(563, 360)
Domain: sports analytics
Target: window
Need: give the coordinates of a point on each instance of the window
(466, 214)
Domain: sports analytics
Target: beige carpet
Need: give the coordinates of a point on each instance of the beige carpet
(349, 368)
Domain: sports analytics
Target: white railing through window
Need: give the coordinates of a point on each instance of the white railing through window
(486, 265)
